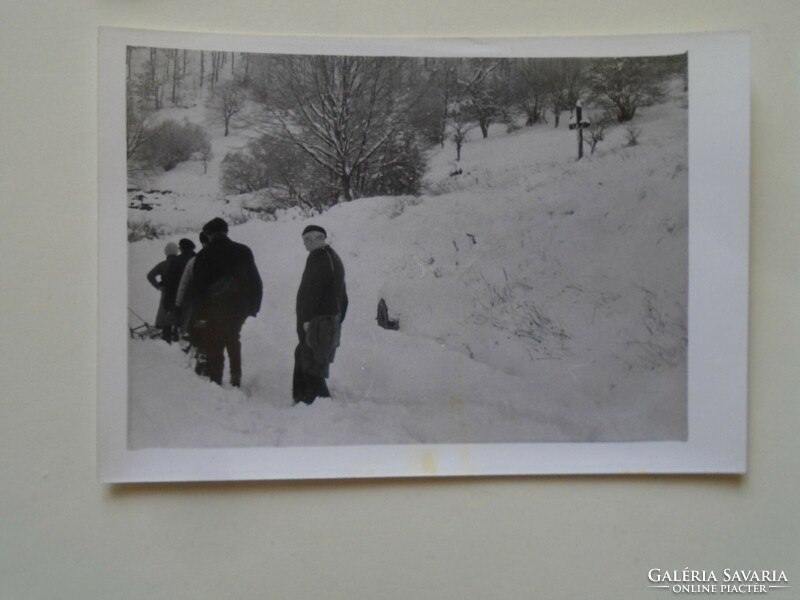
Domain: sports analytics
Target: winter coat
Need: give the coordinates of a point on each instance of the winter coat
(226, 281)
(322, 339)
(172, 280)
(185, 291)
(184, 298)
(157, 278)
(322, 288)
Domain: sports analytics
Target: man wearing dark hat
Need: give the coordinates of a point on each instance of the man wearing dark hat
(228, 290)
(321, 308)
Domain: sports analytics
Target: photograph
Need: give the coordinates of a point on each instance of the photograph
(344, 249)
(344, 300)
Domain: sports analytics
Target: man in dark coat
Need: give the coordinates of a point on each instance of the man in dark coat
(228, 290)
(321, 308)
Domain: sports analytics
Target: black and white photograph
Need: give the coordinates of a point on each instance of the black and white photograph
(400, 300)
(330, 248)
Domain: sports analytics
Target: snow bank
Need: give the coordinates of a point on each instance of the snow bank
(539, 299)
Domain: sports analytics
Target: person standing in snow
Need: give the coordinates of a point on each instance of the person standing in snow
(184, 310)
(165, 318)
(228, 290)
(320, 308)
(175, 273)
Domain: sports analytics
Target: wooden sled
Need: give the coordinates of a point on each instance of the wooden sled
(144, 331)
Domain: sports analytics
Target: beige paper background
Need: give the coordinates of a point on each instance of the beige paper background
(63, 535)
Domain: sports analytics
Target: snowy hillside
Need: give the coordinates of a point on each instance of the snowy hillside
(540, 298)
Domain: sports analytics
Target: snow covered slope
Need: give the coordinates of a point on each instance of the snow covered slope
(540, 298)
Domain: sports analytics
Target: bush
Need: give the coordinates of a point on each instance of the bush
(396, 171)
(622, 85)
(283, 168)
(171, 143)
(293, 178)
(596, 132)
(144, 230)
(632, 136)
(513, 127)
(245, 171)
(428, 118)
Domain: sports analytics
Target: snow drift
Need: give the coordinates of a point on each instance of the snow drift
(539, 299)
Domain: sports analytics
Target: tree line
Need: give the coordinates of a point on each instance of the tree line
(325, 129)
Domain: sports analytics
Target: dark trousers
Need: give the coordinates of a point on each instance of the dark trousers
(197, 336)
(219, 336)
(170, 334)
(306, 387)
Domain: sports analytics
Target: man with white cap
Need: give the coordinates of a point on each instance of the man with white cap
(321, 308)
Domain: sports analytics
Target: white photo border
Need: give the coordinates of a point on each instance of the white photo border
(719, 190)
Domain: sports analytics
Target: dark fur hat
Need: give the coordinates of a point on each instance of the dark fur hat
(311, 228)
(216, 225)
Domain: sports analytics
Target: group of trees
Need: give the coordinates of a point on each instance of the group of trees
(331, 128)
(347, 118)
(159, 78)
(160, 147)
(162, 77)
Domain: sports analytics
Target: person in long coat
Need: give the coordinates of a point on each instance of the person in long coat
(175, 273)
(228, 290)
(321, 308)
(158, 275)
(184, 308)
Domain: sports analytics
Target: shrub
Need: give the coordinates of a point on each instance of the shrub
(396, 171)
(143, 230)
(428, 118)
(632, 136)
(596, 132)
(289, 173)
(513, 127)
(293, 176)
(171, 143)
(245, 171)
(622, 85)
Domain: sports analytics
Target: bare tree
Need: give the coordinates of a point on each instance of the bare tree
(151, 83)
(568, 85)
(533, 85)
(446, 103)
(217, 62)
(339, 110)
(206, 155)
(137, 129)
(622, 85)
(542, 84)
(482, 98)
(154, 79)
(177, 74)
(460, 125)
(632, 134)
(226, 101)
(596, 132)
